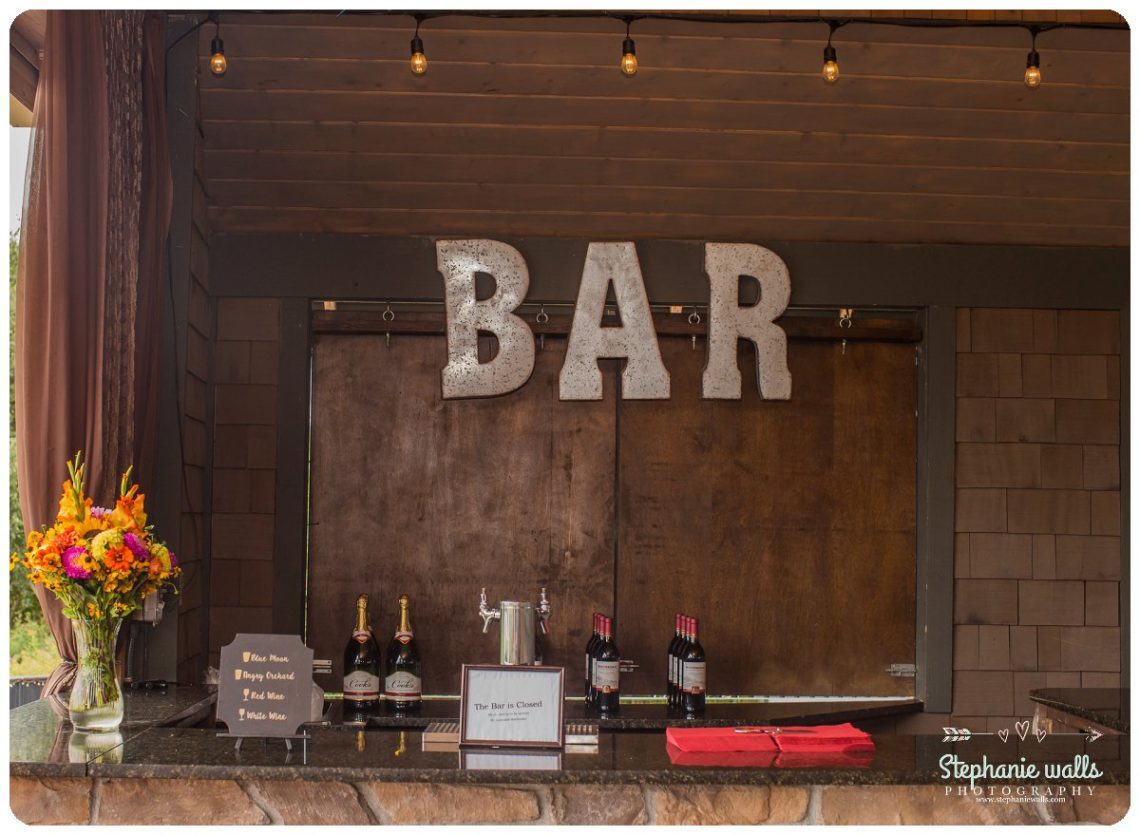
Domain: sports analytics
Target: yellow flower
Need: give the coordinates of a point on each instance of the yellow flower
(93, 611)
(107, 539)
(162, 553)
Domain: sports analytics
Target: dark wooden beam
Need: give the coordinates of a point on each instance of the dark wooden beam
(162, 654)
(825, 328)
(934, 603)
(291, 506)
(23, 78)
(823, 274)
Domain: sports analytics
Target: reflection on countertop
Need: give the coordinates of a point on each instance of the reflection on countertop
(646, 715)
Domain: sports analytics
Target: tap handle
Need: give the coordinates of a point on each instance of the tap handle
(486, 613)
(543, 611)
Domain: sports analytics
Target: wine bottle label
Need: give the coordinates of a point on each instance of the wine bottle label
(606, 676)
(672, 669)
(694, 673)
(361, 637)
(403, 637)
(402, 686)
(360, 685)
(587, 666)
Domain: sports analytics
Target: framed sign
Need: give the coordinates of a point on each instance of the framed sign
(513, 707)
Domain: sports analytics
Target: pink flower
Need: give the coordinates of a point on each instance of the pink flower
(136, 546)
(71, 564)
(100, 512)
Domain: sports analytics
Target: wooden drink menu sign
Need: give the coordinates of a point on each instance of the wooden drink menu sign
(265, 685)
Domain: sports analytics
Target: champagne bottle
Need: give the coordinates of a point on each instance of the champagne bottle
(607, 671)
(361, 664)
(693, 692)
(403, 683)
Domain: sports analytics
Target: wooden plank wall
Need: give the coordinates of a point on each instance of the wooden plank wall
(788, 528)
(414, 495)
(526, 127)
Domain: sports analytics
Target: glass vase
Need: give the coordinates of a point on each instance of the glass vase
(96, 701)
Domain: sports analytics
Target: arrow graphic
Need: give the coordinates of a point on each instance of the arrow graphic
(1091, 735)
(961, 734)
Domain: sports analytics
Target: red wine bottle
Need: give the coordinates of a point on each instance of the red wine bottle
(671, 659)
(693, 665)
(678, 666)
(590, 644)
(607, 671)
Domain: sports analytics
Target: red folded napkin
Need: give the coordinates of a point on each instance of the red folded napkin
(815, 746)
(816, 739)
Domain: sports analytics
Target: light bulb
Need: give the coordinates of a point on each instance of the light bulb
(217, 57)
(1033, 70)
(628, 58)
(830, 65)
(418, 63)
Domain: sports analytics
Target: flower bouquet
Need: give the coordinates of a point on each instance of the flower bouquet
(100, 562)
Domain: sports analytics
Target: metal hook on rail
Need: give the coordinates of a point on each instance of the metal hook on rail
(846, 314)
(542, 317)
(388, 315)
(694, 319)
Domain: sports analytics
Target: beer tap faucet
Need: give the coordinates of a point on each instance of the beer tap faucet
(543, 611)
(487, 613)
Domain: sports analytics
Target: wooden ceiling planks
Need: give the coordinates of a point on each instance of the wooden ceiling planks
(525, 126)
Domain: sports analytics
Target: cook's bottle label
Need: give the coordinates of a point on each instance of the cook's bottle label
(606, 676)
(694, 672)
(360, 685)
(402, 686)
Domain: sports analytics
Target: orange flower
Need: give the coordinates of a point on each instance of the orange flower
(129, 513)
(118, 558)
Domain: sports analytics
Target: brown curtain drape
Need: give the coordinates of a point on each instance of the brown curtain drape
(90, 266)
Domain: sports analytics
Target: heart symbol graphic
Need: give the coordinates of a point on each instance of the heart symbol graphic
(1003, 734)
(1040, 736)
(1022, 729)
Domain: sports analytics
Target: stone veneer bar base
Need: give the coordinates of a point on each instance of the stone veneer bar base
(58, 800)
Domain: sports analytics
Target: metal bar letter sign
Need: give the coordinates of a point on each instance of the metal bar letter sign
(728, 321)
(645, 377)
(464, 375)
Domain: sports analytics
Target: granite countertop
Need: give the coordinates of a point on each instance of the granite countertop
(43, 746)
(41, 740)
(1108, 706)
